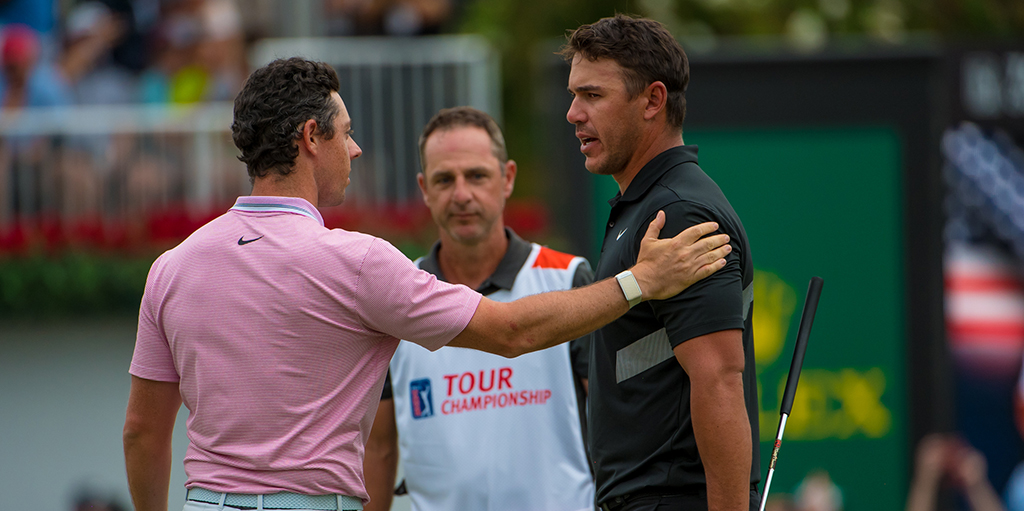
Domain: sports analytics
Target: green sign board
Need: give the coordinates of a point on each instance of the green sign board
(823, 202)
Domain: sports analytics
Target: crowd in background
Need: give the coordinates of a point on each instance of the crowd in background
(105, 52)
(140, 54)
(98, 53)
(165, 51)
(121, 51)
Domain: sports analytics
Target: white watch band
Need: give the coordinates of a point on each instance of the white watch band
(630, 287)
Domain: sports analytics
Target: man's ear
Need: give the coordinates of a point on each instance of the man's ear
(510, 177)
(310, 136)
(656, 95)
(422, 181)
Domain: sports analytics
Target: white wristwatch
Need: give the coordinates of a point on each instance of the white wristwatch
(630, 287)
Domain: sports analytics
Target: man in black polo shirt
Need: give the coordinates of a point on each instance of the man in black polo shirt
(673, 411)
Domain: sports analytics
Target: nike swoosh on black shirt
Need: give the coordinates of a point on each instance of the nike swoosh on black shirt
(243, 241)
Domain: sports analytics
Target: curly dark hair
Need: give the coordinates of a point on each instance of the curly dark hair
(644, 49)
(274, 103)
(465, 116)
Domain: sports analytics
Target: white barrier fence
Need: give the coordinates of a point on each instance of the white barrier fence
(116, 161)
(392, 86)
(122, 161)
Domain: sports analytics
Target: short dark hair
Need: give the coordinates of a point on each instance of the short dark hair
(276, 100)
(644, 49)
(463, 116)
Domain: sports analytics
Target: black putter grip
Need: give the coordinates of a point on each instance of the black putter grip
(804, 332)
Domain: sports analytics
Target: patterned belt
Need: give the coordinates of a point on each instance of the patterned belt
(282, 500)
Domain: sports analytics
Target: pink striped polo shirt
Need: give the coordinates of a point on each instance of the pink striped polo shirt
(279, 332)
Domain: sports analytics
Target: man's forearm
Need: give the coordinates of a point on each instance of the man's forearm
(148, 428)
(543, 320)
(380, 468)
(665, 267)
(148, 463)
(722, 431)
(380, 464)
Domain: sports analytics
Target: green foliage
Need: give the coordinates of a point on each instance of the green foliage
(71, 284)
(888, 20)
(522, 29)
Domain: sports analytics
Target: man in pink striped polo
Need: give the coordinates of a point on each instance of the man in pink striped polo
(276, 332)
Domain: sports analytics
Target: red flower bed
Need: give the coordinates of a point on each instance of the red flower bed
(407, 226)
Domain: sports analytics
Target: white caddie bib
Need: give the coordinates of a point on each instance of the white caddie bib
(483, 432)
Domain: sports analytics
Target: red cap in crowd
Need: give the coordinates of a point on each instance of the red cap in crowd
(20, 45)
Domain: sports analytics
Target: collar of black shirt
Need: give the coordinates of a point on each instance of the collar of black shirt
(653, 170)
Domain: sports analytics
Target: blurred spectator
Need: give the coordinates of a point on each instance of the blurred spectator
(92, 30)
(817, 492)
(387, 17)
(222, 51)
(26, 80)
(199, 53)
(943, 458)
(110, 52)
(138, 18)
(91, 33)
(40, 15)
(780, 502)
(92, 502)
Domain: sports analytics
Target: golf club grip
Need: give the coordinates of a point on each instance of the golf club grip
(804, 332)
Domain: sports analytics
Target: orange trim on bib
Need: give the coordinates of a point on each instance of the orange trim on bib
(554, 259)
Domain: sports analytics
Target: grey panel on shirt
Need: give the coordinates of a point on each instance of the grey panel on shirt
(641, 355)
(653, 349)
(748, 300)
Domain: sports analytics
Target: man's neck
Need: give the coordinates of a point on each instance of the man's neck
(295, 184)
(471, 265)
(646, 152)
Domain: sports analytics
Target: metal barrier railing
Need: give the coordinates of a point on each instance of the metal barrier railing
(122, 163)
(116, 161)
(392, 86)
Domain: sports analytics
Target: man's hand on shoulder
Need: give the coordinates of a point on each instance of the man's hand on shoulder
(666, 267)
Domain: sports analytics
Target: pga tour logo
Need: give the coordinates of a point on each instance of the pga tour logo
(422, 402)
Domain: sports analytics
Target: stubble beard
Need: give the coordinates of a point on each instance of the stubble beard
(617, 154)
(336, 195)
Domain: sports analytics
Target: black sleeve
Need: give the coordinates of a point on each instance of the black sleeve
(579, 349)
(387, 392)
(714, 303)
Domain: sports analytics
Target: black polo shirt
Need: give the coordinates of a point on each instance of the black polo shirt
(641, 436)
(504, 277)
